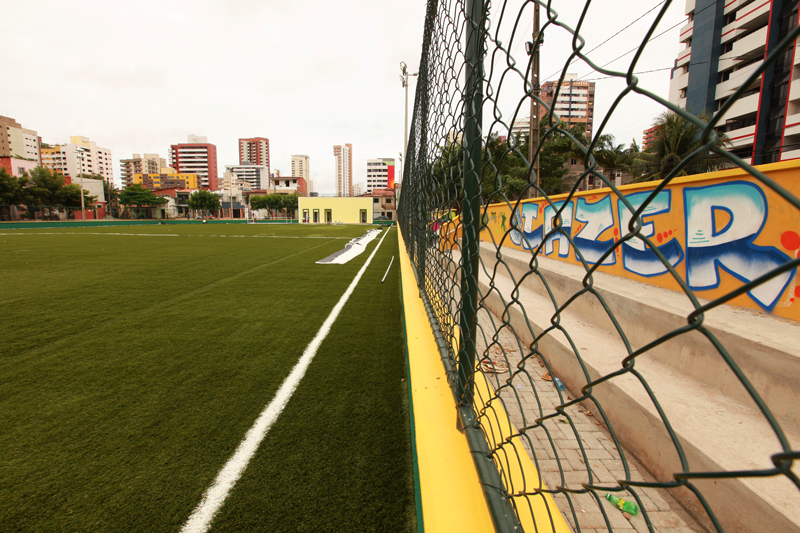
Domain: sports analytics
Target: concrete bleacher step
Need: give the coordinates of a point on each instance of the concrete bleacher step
(719, 429)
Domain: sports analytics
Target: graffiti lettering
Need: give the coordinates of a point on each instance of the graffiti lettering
(566, 216)
(637, 257)
(722, 221)
(597, 217)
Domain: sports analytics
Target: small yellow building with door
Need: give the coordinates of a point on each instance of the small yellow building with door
(333, 210)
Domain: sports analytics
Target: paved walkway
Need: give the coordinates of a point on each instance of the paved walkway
(665, 514)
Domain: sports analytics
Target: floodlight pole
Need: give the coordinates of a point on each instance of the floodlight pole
(404, 79)
(80, 151)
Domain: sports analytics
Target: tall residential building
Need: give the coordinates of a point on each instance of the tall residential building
(649, 136)
(18, 142)
(344, 169)
(255, 151)
(300, 167)
(80, 156)
(197, 156)
(149, 164)
(380, 174)
(732, 41)
(256, 176)
(575, 103)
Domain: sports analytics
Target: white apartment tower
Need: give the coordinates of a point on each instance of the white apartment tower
(255, 176)
(344, 169)
(380, 174)
(138, 164)
(16, 141)
(80, 156)
(724, 43)
(300, 167)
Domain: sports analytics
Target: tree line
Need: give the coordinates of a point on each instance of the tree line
(506, 173)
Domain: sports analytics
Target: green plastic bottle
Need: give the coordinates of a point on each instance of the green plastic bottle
(622, 504)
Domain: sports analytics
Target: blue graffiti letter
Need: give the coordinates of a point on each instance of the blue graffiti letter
(598, 217)
(722, 221)
(637, 257)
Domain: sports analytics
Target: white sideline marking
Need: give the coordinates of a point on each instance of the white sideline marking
(215, 495)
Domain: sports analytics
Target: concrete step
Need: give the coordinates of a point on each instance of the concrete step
(766, 348)
(717, 431)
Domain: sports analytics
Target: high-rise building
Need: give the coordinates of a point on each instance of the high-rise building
(254, 150)
(300, 167)
(358, 189)
(80, 156)
(344, 169)
(256, 176)
(18, 142)
(380, 174)
(732, 41)
(575, 103)
(196, 156)
(147, 164)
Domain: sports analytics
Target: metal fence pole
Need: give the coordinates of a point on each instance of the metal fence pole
(471, 200)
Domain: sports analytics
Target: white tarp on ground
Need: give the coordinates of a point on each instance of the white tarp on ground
(352, 249)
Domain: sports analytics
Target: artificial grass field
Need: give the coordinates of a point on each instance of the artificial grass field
(134, 359)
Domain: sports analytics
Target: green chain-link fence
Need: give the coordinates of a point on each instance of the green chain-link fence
(607, 393)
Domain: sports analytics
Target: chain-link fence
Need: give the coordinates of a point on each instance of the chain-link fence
(632, 341)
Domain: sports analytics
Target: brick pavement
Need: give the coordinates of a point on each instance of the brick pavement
(563, 457)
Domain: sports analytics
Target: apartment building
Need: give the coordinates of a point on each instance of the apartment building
(79, 156)
(138, 164)
(301, 166)
(167, 179)
(254, 150)
(575, 102)
(344, 169)
(256, 176)
(196, 156)
(724, 43)
(18, 142)
(380, 174)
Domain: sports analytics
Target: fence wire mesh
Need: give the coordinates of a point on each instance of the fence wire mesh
(653, 393)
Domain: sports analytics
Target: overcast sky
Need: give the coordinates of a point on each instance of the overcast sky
(136, 77)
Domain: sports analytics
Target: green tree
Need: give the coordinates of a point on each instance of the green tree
(290, 203)
(203, 200)
(138, 196)
(674, 140)
(10, 189)
(272, 202)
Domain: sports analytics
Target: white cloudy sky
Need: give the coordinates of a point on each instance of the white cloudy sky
(138, 76)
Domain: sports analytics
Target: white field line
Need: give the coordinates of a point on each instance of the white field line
(215, 495)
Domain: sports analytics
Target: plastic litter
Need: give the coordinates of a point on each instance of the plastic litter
(623, 504)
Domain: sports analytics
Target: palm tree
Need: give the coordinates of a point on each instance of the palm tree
(675, 139)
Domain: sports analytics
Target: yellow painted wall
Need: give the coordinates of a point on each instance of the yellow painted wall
(718, 230)
(344, 210)
(191, 181)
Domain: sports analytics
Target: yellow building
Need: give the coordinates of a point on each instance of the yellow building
(168, 179)
(320, 210)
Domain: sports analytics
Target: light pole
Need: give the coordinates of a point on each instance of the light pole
(230, 196)
(400, 177)
(404, 78)
(79, 150)
(533, 134)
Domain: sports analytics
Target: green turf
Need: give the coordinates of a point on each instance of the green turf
(132, 366)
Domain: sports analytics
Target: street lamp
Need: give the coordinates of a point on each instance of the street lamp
(80, 150)
(404, 79)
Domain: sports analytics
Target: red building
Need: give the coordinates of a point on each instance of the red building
(254, 150)
(196, 157)
(648, 136)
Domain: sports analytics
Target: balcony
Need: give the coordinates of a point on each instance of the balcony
(743, 106)
(684, 56)
(794, 154)
(686, 32)
(727, 88)
(792, 125)
(741, 137)
(754, 15)
(794, 89)
(754, 43)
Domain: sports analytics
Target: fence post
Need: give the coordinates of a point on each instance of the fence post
(471, 201)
